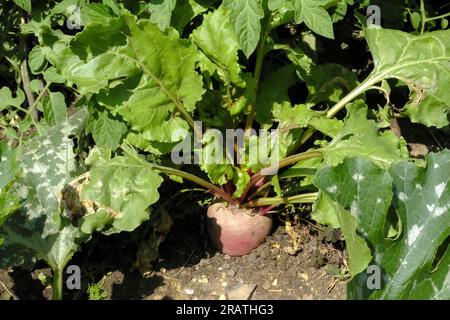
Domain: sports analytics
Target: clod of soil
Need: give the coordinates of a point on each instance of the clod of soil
(236, 231)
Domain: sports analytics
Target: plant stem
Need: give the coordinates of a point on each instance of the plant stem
(26, 86)
(25, 75)
(299, 157)
(211, 187)
(282, 164)
(301, 198)
(57, 286)
(260, 52)
(33, 106)
(364, 86)
(424, 17)
(442, 16)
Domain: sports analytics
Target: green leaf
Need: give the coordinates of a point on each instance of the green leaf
(273, 92)
(36, 60)
(213, 159)
(36, 86)
(357, 250)
(324, 212)
(275, 4)
(24, 4)
(161, 12)
(8, 165)
(91, 64)
(240, 179)
(301, 116)
(122, 189)
(186, 10)
(421, 202)
(98, 156)
(91, 13)
(9, 203)
(359, 137)
(406, 57)
(314, 16)
(329, 83)
(245, 15)
(149, 99)
(107, 131)
(156, 148)
(113, 5)
(216, 39)
(147, 76)
(276, 185)
(51, 75)
(166, 85)
(363, 189)
(54, 107)
(416, 19)
(7, 100)
(298, 58)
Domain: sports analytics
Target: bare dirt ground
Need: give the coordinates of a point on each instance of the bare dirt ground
(293, 263)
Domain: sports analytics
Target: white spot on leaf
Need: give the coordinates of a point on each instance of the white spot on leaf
(413, 234)
(358, 177)
(402, 196)
(354, 208)
(332, 189)
(439, 189)
(440, 211)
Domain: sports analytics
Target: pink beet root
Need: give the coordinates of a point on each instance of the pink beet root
(235, 231)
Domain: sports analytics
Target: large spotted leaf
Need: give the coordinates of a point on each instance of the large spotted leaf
(408, 243)
(41, 229)
(362, 191)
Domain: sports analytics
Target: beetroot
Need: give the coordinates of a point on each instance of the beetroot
(236, 231)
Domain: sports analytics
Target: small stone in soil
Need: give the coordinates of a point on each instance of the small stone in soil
(203, 280)
(304, 276)
(189, 291)
(241, 292)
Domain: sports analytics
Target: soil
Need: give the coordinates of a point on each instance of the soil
(293, 263)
